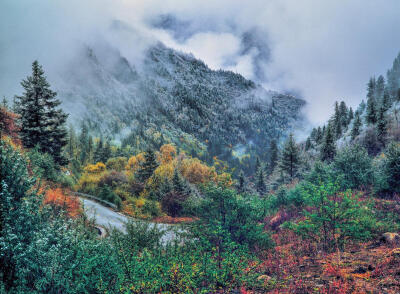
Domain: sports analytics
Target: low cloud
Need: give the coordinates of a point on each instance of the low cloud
(321, 50)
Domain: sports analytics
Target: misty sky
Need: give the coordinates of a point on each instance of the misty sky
(320, 50)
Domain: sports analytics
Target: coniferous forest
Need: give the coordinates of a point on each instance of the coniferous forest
(195, 180)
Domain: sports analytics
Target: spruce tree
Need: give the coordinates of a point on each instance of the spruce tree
(99, 150)
(328, 149)
(106, 155)
(290, 157)
(382, 126)
(84, 144)
(177, 183)
(386, 103)
(308, 144)
(260, 184)
(356, 126)
(148, 166)
(344, 114)
(42, 122)
(380, 88)
(273, 156)
(351, 115)
(241, 184)
(371, 102)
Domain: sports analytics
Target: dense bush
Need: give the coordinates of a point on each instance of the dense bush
(333, 217)
(353, 165)
(43, 165)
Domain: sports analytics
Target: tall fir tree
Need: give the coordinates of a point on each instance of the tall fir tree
(382, 126)
(148, 166)
(273, 156)
(355, 131)
(84, 144)
(260, 182)
(290, 158)
(99, 150)
(328, 148)
(42, 122)
(308, 144)
(380, 88)
(350, 116)
(178, 183)
(241, 184)
(371, 102)
(344, 114)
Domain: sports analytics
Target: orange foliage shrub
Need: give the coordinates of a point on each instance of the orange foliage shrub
(57, 198)
(196, 172)
(134, 162)
(167, 153)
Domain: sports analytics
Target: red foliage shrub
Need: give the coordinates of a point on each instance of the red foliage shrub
(59, 200)
(8, 126)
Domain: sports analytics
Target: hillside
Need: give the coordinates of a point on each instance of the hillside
(173, 97)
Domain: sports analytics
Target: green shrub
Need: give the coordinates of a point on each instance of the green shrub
(151, 208)
(43, 165)
(332, 217)
(353, 165)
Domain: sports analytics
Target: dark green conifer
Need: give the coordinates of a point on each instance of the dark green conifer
(328, 149)
(290, 157)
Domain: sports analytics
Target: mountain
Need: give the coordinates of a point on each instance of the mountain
(171, 96)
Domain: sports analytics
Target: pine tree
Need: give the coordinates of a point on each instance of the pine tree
(351, 116)
(382, 126)
(319, 136)
(177, 183)
(290, 157)
(90, 149)
(371, 102)
(386, 103)
(380, 88)
(328, 149)
(106, 155)
(148, 166)
(42, 123)
(257, 166)
(72, 145)
(260, 184)
(344, 114)
(356, 126)
(84, 144)
(273, 156)
(99, 150)
(241, 185)
(308, 144)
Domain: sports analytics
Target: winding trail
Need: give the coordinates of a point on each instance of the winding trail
(108, 218)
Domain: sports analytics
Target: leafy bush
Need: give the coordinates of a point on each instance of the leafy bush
(117, 163)
(43, 165)
(172, 203)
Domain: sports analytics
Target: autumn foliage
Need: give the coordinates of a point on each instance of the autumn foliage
(8, 125)
(58, 199)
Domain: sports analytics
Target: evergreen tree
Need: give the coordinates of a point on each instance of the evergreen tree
(90, 149)
(273, 156)
(386, 103)
(177, 183)
(351, 116)
(328, 149)
(308, 144)
(84, 144)
(344, 114)
(106, 151)
(241, 185)
(380, 88)
(148, 166)
(290, 157)
(371, 102)
(72, 144)
(338, 129)
(356, 126)
(260, 184)
(257, 166)
(382, 126)
(319, 136)
(42, 122)
(99, 151)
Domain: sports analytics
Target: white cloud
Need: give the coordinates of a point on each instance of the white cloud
(325, 50)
